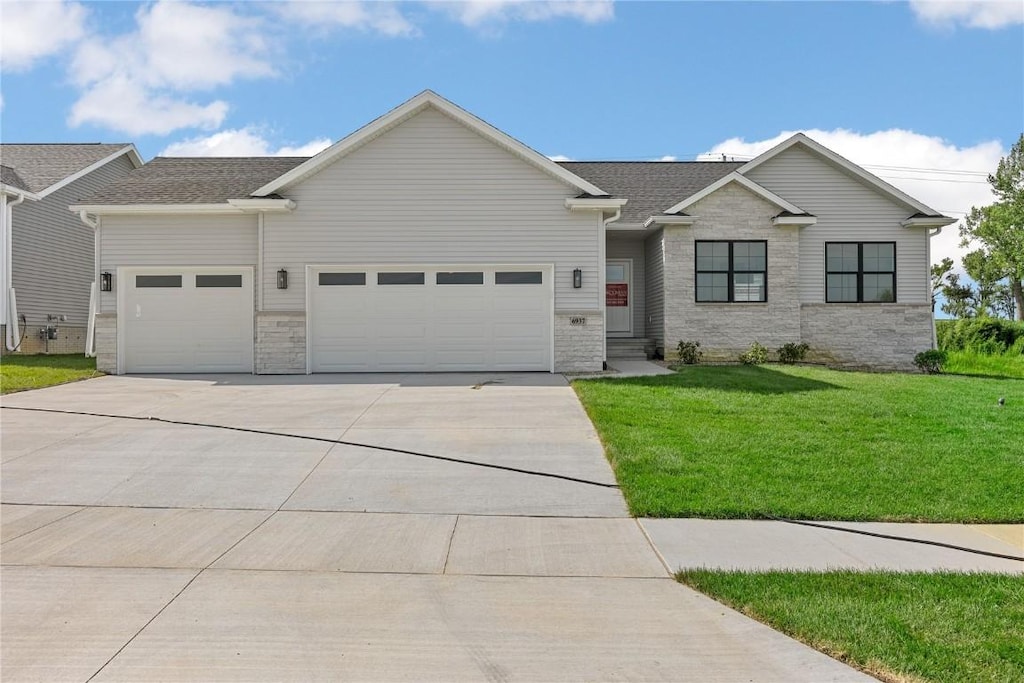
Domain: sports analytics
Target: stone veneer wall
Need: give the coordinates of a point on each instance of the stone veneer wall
(871, 336)
(579, 348)
(725, 330)
(281, 343)
(106, 342)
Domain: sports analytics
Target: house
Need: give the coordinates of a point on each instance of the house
(429, 240)
(48, 256)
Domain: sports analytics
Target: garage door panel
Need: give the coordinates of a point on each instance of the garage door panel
(440, 327)
(188, 328)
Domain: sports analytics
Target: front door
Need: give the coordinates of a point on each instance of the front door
(618, 297)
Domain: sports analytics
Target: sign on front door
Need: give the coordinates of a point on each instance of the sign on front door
(616, 294)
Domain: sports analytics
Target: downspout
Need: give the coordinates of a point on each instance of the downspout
(928, 257)
(601, 277)
(94, 293)
(13, 333)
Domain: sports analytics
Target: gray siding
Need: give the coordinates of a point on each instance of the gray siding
(431, 191)
(52, 251)
(847, 210)
(175, 241)
(625, 248)
(654, 269)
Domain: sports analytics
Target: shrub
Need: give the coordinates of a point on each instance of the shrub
(792, 353)
(931, 361)
(982, 335)
(689, 352)
(755, 355)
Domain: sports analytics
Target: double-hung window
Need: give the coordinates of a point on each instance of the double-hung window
(860, 272)
(732, 271)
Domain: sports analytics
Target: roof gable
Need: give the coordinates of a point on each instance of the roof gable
(45, 168)
(747, 184)
(843, 164)
(426, 99)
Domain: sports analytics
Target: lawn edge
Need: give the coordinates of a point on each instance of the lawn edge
(8, 392)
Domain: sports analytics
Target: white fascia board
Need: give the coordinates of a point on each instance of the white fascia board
(749, 184)
(152, 209)
(264, 205)
(928, 222)
(411, 107)
(799, 221)
(133, 156)
(594, 204)
(18, 192)
(670, 220)
(847, 165)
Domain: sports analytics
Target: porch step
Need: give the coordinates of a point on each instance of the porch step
(632, 348)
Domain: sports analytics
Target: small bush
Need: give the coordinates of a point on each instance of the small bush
(689, 352)
(792, 353)
(755, 355)
(930, 362)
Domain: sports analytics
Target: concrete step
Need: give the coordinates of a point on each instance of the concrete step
(634, 348)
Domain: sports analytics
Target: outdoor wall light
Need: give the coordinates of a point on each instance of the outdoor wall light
(282, 279)
(106, 281)
(577, 278)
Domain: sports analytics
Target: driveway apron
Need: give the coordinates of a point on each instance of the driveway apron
(170, 550)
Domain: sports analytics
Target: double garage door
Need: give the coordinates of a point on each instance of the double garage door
(426, 319)
(360, 319)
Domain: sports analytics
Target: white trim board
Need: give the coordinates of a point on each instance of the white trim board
(746, 183)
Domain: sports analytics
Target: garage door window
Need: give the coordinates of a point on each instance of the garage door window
(400, 279)
(466, 278)
(332, 279)
(532, 277)
(142, 281)
(218, 280)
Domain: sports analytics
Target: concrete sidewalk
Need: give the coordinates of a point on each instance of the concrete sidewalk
(752, 545)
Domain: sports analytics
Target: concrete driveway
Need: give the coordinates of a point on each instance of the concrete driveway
(139, 550)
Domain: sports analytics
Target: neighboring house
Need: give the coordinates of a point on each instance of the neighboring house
(48, 255)
(430, 241)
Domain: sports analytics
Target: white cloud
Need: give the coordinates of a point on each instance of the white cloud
(136, 82)
(667, 157)
(990, 14)
(30, 31)
(951, 193)
(560, 157)
(240, 142)
(480, 13)
(380, 17)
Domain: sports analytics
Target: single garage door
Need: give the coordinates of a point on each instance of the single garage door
(187, 320)
(423, 319)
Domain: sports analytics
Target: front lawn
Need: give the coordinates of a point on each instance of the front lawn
(1010, 364)
(18, 373)
(895, 626)
(811, 443)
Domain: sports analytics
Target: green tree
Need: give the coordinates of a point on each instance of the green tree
(998, 230)
(939, 273)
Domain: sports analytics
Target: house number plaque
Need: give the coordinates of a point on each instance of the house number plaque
(578, 321)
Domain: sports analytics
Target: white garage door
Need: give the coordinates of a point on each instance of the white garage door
(430, 319)
(187, 320)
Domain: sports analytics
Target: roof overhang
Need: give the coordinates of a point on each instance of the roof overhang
(232, 206)
(801, 221)
(747, 183)
(927, 222)
(594, 203)
(18, 192)
(853, 169)
(129, 150)
(675, 219)
(407, 110)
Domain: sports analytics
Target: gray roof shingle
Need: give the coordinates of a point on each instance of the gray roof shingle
(41, 165)
(650, 186)
(194, 180)
(8, 176)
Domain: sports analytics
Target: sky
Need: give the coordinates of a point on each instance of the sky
(927, 94)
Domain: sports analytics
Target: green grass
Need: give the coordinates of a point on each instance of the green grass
(811, 443)
(18, 373)
(896, 626)
(1009, 364)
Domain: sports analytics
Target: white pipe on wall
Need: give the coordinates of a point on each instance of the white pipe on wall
(13, 331)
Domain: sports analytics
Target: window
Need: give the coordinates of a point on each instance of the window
(218, 280)
(400, 278)
(324, 279)
(466, 278)
(732, 271)
(158, 281)
(519, 278)
(858, 272)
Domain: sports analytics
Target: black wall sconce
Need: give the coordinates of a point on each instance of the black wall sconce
(577, 278)
(106, 281)
(282, 279)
